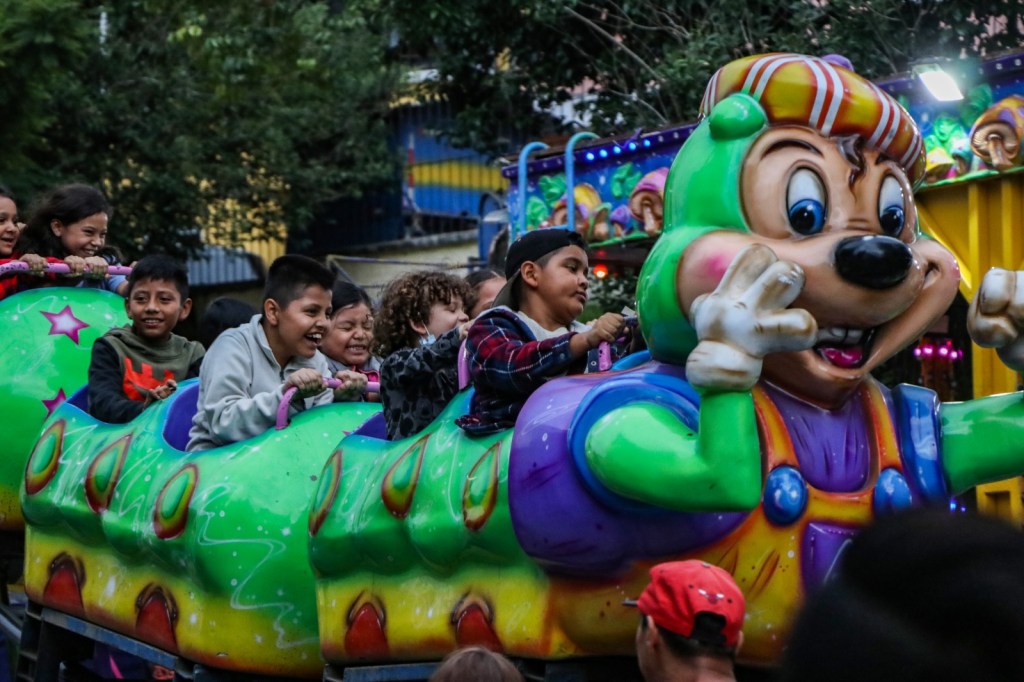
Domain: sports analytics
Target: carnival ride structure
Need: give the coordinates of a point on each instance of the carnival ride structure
(752, 437)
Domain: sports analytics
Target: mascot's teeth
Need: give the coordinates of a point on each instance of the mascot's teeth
(841, 336)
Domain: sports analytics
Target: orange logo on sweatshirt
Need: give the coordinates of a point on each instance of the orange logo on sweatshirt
(137, 384)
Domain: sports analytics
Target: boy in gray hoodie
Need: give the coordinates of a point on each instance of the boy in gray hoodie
(249, 368)
(134, 366)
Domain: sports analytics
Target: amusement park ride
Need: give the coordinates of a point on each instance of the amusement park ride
(784, 258)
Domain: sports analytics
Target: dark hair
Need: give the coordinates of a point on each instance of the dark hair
(475, 279)
(159, 266)
(223, 314)
(707, 639)
(346, 293)
(923, 595)
(67, 204)
(290, 275)
(478, 277)
(111, 254)
(409, 299)
(475, 664)
(5, 192)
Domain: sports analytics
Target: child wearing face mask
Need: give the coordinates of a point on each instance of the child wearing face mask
(71, 223)
(420, 328)
(348, 343)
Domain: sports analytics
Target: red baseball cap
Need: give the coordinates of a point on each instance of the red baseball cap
(679, 590)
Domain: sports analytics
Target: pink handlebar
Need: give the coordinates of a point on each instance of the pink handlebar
(17, 266)
(331, 382)
(604, 357)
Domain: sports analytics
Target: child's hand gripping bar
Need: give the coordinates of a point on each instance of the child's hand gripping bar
(604, 350)
(331, 382)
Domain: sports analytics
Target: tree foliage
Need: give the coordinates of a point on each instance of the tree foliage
(646, 62)
(236, 118)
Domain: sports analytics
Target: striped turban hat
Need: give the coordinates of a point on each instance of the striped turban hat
(808, 91)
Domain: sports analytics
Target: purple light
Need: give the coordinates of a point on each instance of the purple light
(944, 351)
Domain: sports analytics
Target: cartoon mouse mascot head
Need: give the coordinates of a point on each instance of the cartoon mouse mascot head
(805, 157)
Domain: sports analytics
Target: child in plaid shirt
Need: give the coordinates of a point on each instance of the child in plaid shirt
(532, 335)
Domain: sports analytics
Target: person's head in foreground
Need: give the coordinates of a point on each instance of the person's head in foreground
(924, 595)
(475, 664)
(691, 615)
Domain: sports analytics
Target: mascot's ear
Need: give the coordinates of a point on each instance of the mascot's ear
(738, 115)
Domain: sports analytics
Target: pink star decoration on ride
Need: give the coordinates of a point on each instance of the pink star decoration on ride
(65, 323)
(55, 402)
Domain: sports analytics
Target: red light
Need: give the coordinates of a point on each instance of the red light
(600, 271)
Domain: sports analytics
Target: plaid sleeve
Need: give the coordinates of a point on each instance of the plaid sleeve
(504, 359)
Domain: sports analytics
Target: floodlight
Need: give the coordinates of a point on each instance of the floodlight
(940, 84)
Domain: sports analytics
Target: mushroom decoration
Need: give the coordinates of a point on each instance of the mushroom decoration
(621, 220)
(591, 213)
(996, 134)
(645, 203)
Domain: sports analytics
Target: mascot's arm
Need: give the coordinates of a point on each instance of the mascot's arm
(982, 440)
(644, 451)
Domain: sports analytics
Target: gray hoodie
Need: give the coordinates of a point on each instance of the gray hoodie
(240, 387)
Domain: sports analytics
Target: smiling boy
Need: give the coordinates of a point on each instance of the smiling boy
(249, 368)
(531, 334)
(134, 366)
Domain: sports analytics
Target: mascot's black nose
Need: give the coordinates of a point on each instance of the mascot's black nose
(873, 261)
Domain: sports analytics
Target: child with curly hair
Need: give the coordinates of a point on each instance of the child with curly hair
(419, 330)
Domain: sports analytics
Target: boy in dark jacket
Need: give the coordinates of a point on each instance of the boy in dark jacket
(531, 334)
(134, 366)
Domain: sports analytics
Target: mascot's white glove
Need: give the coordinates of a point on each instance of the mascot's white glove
(996, 316)
(745, 318)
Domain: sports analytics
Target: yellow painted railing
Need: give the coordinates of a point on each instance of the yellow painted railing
(980, 221)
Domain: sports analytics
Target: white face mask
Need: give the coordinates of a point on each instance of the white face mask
(428, 339)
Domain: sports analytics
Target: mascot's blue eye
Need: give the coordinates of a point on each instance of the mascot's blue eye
(892, 220)
(891, 214)
(807, 216)
(805, 202)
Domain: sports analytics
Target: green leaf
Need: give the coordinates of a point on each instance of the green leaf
(624, 179)
(537, 211)
(552, 188)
